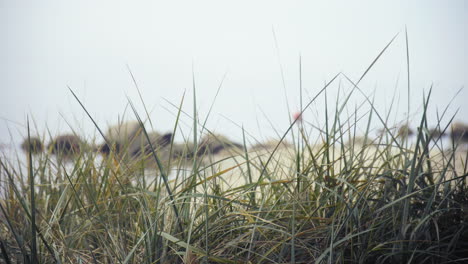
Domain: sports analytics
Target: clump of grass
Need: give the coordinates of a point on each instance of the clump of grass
(340, 200)
(370, 202)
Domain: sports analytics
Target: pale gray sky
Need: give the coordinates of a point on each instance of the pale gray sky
(49, 45)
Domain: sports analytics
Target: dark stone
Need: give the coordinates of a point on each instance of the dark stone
(65, 145)
(33, 145)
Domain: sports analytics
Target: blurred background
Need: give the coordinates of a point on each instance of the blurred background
(251, 49)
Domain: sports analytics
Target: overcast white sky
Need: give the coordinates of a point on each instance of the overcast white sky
(48, 45)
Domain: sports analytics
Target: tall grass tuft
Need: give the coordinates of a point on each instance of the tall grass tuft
(346, 197)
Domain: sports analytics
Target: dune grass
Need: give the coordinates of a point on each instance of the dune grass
(374, 201)
(346, 198)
